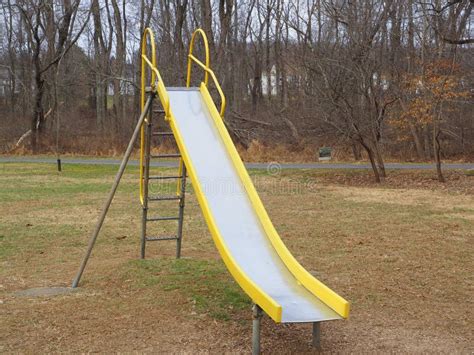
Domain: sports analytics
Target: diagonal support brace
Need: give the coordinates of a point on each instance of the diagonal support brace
(118, 177)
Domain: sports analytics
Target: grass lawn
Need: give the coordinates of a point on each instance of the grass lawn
(400, 252)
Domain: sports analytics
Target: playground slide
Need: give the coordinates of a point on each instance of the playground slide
(244, 235)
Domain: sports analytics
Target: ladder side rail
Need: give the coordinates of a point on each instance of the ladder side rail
(182, 191)
(146, 178)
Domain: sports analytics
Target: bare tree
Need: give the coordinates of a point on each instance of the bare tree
(317, 72)
(60, 35)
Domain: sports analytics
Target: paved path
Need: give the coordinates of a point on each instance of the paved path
(270, 166)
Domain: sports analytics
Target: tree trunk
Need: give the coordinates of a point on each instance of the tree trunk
(426, 138)
(206, 21)
(370, 154)
(178, 37)
(38, 113)
(12, 58)
(356, 151)
(236, 58)
(377, 153)
(379, 159)
(257, 83)
(268, 63)
(416, 138)
(98, 59)
(119, 69)
(437, 151)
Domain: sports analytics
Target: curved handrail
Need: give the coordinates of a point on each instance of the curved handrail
(156, 85)
(147, 33)
(206, 67)
(190, 56)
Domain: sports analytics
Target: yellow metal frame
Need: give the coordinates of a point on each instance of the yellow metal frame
(156, 86)
(268, 304)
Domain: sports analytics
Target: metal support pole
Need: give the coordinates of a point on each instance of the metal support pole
(181, 210)
(317, 335)
(257, 318)
(118, 177)
(146, 174)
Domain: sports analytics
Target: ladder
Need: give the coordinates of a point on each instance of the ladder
(148, 200)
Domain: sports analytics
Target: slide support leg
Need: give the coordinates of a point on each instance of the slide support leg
(317, 335)
(257, 318)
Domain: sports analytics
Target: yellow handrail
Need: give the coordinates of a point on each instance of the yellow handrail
(190, 55)
(157, 85)
(206, 67)
(147, 33)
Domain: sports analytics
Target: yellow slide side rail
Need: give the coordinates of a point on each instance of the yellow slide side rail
(313, 285)
(156, 86)
(206, 67)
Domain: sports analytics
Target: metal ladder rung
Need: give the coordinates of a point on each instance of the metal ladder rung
(162, 134)
(166, 156)
(153, 239)
(164, 198)
(152, 219)
(164, 177)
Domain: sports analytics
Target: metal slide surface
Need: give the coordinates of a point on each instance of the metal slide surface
(234, 215)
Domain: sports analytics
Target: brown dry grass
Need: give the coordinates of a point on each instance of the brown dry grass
(401, 254)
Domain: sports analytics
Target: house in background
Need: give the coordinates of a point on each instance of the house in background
(127, 86)
(4, 82)
(273, 82)
(4, 86)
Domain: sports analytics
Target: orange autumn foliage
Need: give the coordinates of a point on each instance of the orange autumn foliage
(439, 82)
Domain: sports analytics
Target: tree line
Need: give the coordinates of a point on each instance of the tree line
(373, 77)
